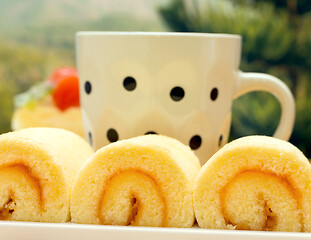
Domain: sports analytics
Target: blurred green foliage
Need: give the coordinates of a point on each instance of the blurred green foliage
(276, 40)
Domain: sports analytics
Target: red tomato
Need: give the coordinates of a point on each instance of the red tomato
(62, 73)
(66, 93)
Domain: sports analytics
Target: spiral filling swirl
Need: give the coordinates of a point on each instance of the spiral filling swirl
(270, 202)
(21, 193)
(143, 181)
(126, 197)
(255, 183)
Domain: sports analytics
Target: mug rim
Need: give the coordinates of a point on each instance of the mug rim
(158, 34)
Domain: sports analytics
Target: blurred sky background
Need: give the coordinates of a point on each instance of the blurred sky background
(37, 36)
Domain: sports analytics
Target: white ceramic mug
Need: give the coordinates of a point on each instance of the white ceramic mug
(177, 84)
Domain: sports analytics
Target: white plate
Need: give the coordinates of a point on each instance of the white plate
(69, 231)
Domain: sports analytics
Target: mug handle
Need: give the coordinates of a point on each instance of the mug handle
(248, 82)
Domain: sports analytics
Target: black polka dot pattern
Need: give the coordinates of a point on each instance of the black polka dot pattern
(195, 142)
(88, 87)
(112, 135)
(177, 94)
(129, 83)
(220, 140)
(214, 94)
(90, 139)
(150, 132)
